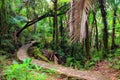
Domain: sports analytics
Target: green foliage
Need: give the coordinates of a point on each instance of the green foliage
(18, 20)
(18, 13)
(3, 62)
(61, 53)
(84, 64)
(22, 72)
(114, 59)
(64, 1)
(116, 64)
(72, 62)
(49, 71)
(97, 56)
(40, 44)
(7, 44)
(76, 57)
(2, 52)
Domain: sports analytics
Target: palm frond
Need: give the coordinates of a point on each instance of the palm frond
(78, 17)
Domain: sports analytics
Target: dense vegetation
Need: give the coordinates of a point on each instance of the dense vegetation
(79, 33)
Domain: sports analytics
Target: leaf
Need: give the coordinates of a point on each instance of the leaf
(27, 61)
(64, 0)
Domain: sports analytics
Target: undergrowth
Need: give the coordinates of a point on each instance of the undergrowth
(25, 71)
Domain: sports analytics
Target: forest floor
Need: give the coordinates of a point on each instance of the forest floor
(84, 75)
(104, 68)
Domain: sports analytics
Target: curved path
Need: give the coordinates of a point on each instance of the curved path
(85, 75)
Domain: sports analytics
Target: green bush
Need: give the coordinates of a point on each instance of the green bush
(76, 56)
(22, 71)
(113, 58)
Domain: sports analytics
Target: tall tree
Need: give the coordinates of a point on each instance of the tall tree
(78, 18)
(55, 24)
(114, 5)
(71, 18)
(4, 18)
(87, 47)
(105, 29)
(96, 29)
(113, 28)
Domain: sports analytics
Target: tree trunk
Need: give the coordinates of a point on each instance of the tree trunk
(71, 18)
(113, 29)
(105, 30)
(36, 16)
(96, 35)
(87, 48)
(4, 26)
(55, 26)
(61, 30)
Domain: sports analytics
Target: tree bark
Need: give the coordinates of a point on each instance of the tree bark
(55, 26)
(71, 18)
(113, 29)
(105, 30)
(87, 48)
(96, 35)
(61, 30)
(35, 15)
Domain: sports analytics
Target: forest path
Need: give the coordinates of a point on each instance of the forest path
(84, 75)
(104, 68)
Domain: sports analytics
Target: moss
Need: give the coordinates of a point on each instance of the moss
(34, 51)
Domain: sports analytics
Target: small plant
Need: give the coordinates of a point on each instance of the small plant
(3, 62)
(114, 59)
(22, 71)
(50, 71)
(72, 62)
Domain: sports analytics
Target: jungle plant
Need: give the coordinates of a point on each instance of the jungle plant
(22, 71)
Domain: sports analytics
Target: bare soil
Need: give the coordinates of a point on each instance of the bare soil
(104, 68)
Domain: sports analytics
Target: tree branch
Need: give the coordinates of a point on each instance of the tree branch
(48, 14)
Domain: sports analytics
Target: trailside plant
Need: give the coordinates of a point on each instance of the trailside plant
(22, 71)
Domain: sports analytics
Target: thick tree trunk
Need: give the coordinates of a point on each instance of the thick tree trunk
(113, 29)
(105, 30)
(71, 18)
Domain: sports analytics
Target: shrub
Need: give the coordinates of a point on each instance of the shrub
(22, 71)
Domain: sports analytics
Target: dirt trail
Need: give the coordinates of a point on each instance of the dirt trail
(85, 75)
(104, 68)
